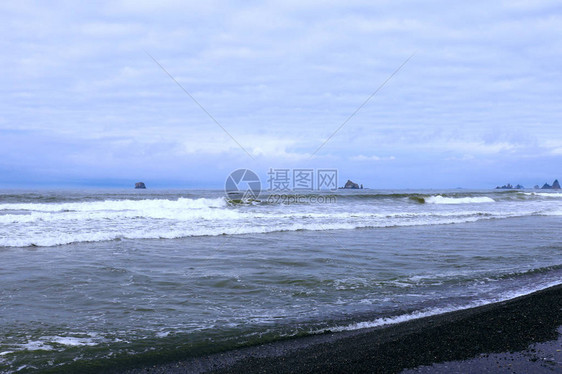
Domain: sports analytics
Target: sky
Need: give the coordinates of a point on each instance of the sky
(83, 103)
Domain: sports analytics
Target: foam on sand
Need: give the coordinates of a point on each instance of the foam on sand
(437, 311)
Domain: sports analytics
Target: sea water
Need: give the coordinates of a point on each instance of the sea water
(115, 277)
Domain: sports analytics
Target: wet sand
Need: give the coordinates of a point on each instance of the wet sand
(521, 335)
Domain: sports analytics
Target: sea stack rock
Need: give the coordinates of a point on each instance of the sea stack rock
(505, 187)
(350, 185)
(140, 185)
(556, 185)
(546, 186)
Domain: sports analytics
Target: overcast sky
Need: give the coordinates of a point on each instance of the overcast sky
(82, 103)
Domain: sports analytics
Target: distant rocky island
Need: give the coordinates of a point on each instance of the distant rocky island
(349, 185)
(555, 186)
(140, 185)
(510, 187)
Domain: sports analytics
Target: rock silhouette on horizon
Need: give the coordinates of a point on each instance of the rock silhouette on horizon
(509, 186)
(351, 185)
(140, 185)
(555, 186)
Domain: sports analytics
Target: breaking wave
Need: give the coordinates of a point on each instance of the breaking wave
(117, 205)
(24, 224)
(438, 199)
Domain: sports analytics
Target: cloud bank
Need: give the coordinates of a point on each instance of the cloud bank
(83, 104)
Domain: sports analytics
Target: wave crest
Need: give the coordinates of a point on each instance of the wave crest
(438, 199)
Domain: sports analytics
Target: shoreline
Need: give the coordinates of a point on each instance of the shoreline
(478, 335)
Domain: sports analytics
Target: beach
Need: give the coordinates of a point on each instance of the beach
(187, 281)
(280, 187)
(501, 337)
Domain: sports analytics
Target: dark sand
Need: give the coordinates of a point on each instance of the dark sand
(520, 335)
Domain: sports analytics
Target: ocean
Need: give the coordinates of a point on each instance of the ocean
(113, 278)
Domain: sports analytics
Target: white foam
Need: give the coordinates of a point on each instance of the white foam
(52, 224)
(95, 227)
(213, 214)
(140, 213)
(46, 343)
(553, 213)
(544, 194)
(36, 345)
(118, 205)
(438, 199)
(71, 341)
